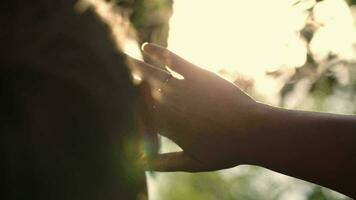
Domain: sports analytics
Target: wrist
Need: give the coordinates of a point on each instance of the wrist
(254, 140)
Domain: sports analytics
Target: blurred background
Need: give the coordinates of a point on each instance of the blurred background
(297, 54)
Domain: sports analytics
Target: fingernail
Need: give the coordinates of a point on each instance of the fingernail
(143, 46)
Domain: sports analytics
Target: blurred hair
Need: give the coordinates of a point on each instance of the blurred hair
(67, 102)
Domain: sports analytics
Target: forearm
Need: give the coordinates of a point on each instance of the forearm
(316, 147)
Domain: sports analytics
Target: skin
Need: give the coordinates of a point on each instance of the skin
(218, 126)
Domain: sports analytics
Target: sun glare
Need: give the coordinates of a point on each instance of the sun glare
(252, 37)
(232, 33)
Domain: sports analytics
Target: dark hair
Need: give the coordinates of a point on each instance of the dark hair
(66, 107)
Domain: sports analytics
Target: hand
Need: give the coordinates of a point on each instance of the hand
(208, 117)
(218, 126)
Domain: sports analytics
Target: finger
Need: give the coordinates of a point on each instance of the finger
(145, 120)
(155, 76)
(170, 59)
(170, 118)
(176, 161)
(147, 70)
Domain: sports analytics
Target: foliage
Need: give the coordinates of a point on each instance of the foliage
(351, 2)
(328, 77)
(150, 18)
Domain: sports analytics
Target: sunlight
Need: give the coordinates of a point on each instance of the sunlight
(231, 34)
(337, 32)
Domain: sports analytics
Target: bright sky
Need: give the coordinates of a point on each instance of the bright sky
(251, 37)
(232, 33)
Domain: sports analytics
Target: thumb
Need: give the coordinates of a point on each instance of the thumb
(176, 161)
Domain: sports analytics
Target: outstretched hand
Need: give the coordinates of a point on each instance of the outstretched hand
(207, 116)
(218, 126)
